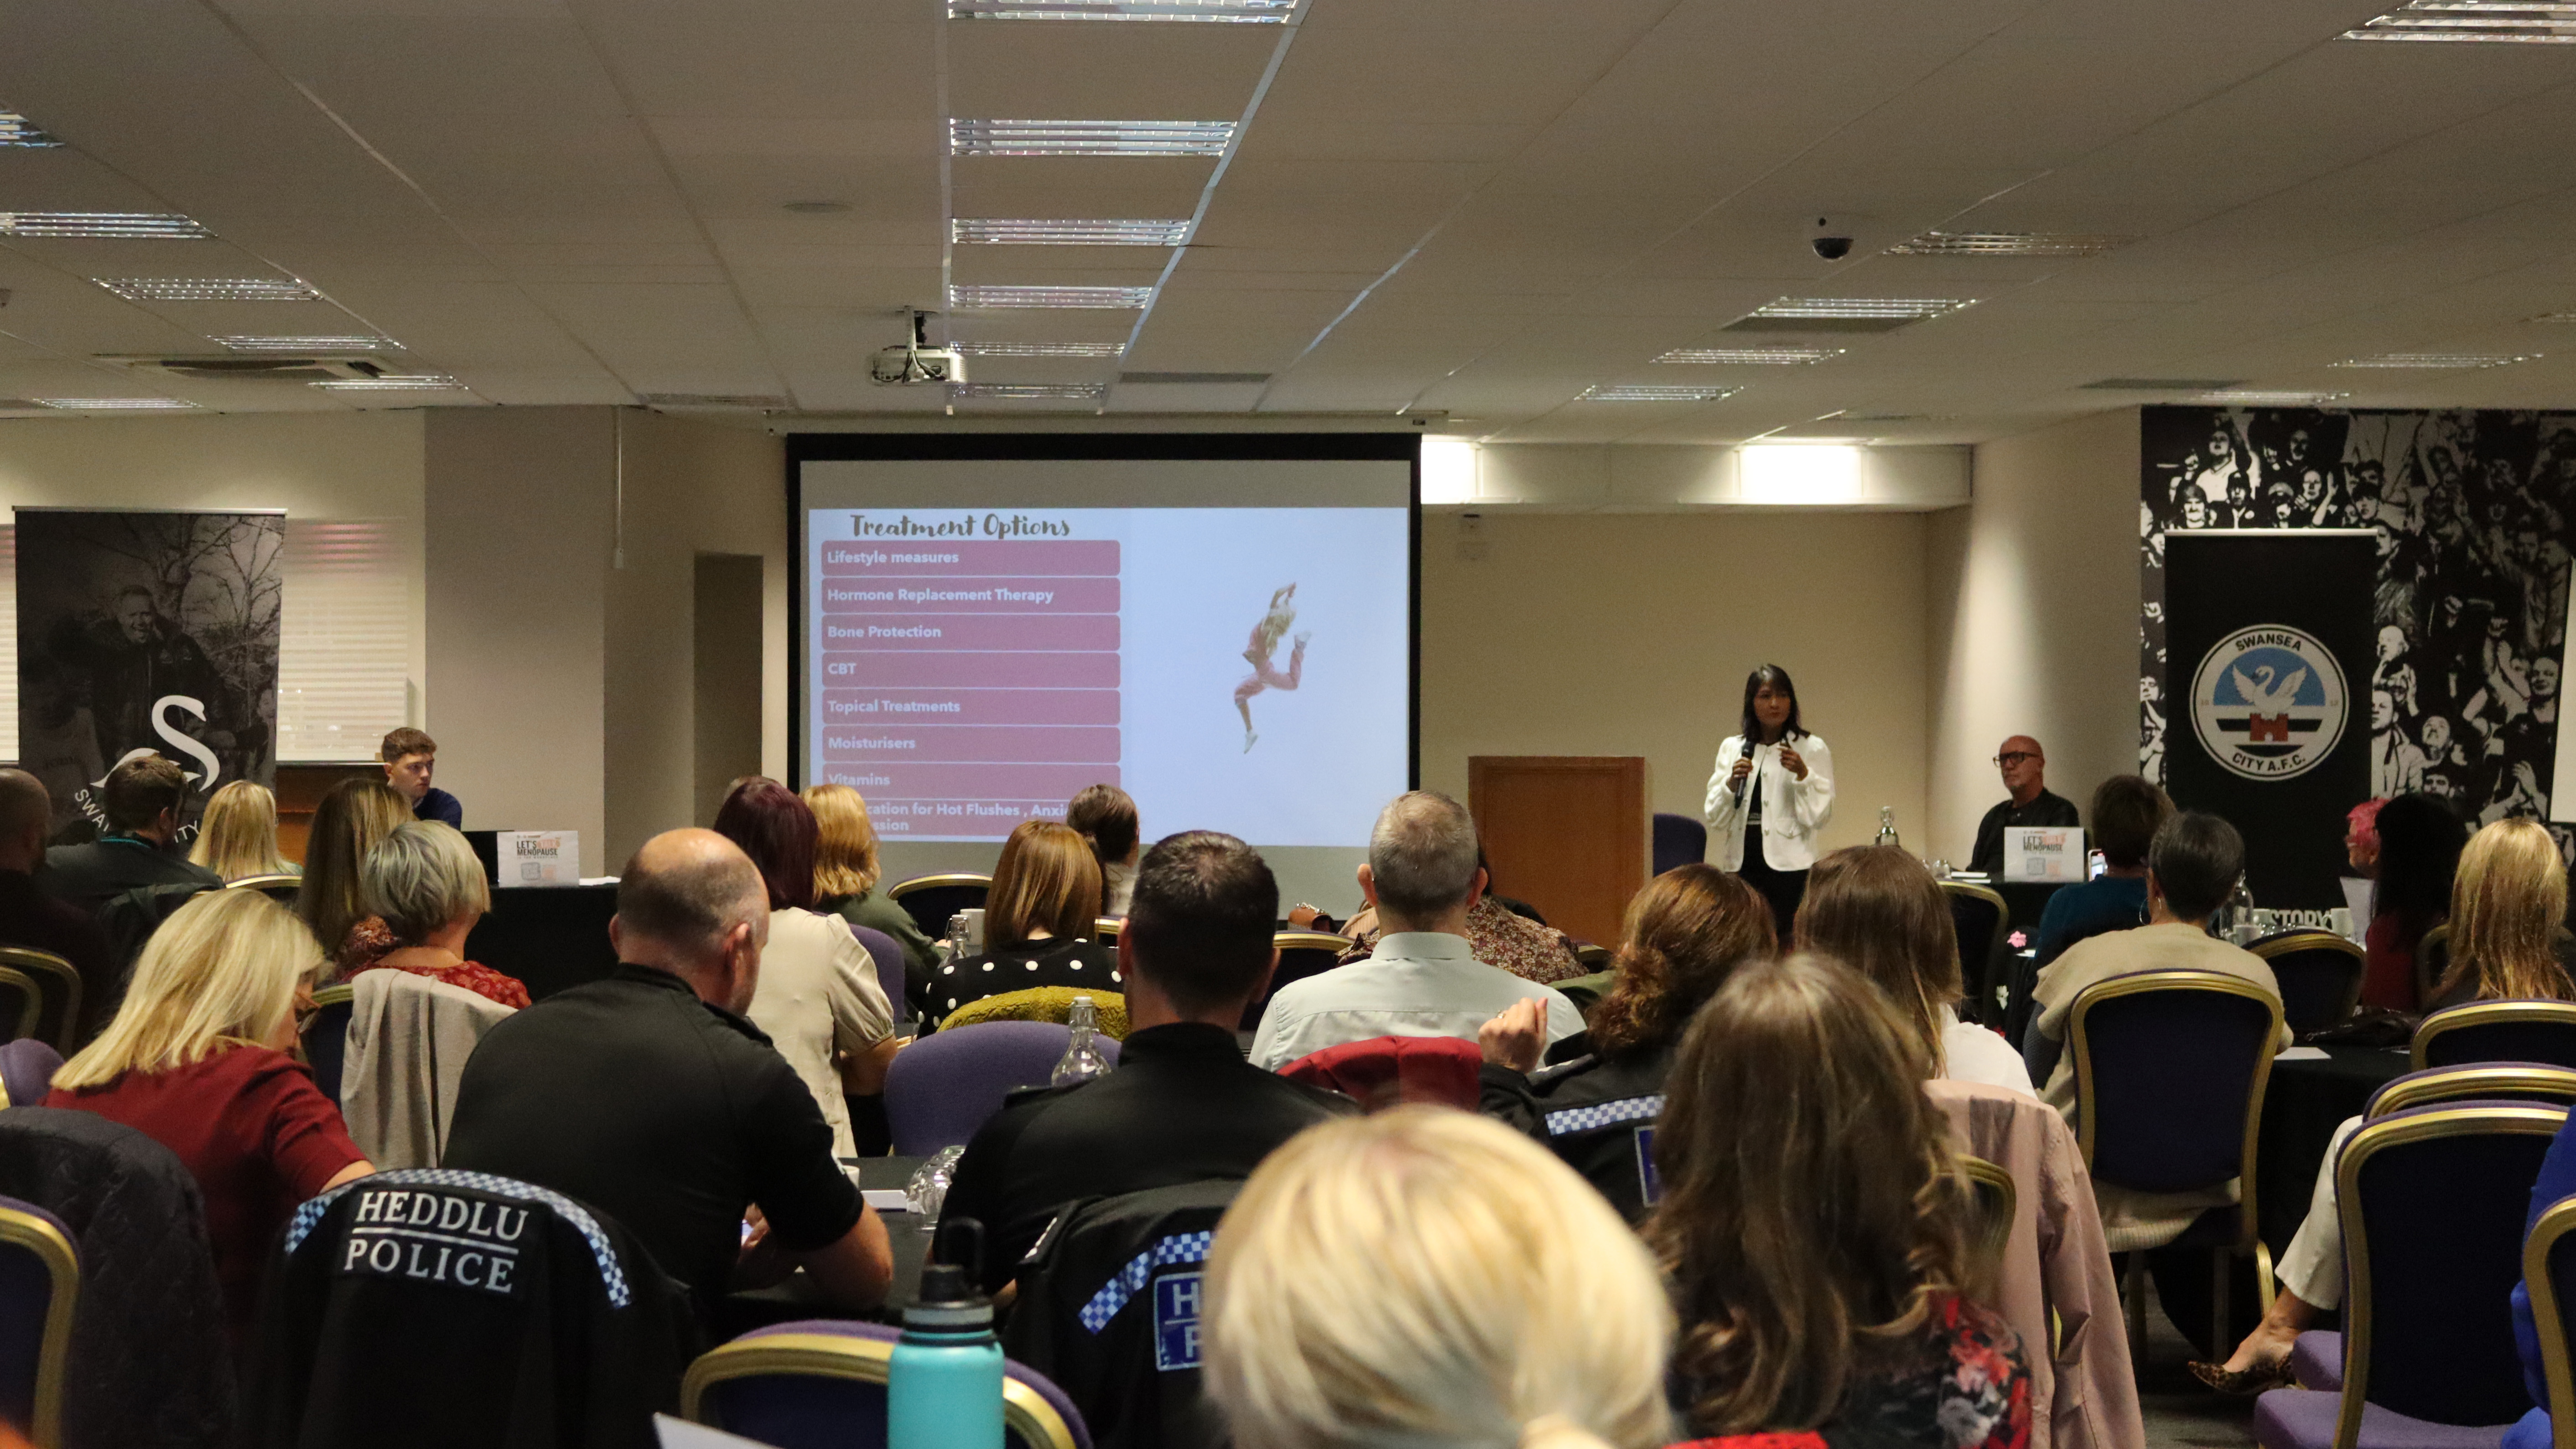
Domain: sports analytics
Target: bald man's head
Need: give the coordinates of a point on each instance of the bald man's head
(2024, 768)
(26, 814)
(684, 892)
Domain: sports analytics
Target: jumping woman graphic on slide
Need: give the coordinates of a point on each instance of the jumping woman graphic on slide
(1265, 642)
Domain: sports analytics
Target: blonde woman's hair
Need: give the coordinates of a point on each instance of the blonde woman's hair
(845, 849)
(421, 878)
(1427, 1278)
(222, 972)
(238, 835)
(2507, 904)
(353, 819)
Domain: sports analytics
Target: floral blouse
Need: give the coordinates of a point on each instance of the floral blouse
(1516, 943)
(370, 942)
(1972, 1392)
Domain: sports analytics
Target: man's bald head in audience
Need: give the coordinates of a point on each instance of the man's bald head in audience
(691, 903)
(26, 814)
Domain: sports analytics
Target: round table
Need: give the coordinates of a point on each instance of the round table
(2307, 1099)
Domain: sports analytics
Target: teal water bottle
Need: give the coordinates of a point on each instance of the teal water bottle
(944, 1382)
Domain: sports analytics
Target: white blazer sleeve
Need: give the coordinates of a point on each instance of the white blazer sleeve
(1724, 813)
(1811, 800)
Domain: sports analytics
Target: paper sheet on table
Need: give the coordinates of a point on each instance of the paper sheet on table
(2301, 1054)
(887, 1199)
(2356, 898)
(681, 1434)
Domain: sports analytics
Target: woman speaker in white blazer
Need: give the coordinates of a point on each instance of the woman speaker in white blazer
(1772, 792)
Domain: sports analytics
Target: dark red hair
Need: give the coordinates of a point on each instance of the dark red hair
(777, 831)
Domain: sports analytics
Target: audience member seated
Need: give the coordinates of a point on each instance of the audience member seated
(353, 819)
(846, 872)
(2127, 810)
(143, 799)
(32, 917)
(2420, 838)
(2028, 802)
(1685, 931)
(648, 1096)
(238, 835)
(198, 1060)
(2507, 899)
(410, 758)
(819, 1000)
(1813, 1227)
(423, 890)
(1038, 920)
(1423, 978)
(1876, 909)
(2192, 868)
(1498, 934)
(1105, 816)
(1422, 1279)
(1183, 1105)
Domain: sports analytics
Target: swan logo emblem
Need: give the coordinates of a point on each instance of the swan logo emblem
(2269, 702)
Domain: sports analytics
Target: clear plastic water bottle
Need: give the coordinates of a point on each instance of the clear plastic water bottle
(927, 1192)
(957, 937)
(1082, 1060)
(944, 1379)
(1886, 826)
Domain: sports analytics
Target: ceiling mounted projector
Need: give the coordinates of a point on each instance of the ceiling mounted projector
(916, 363)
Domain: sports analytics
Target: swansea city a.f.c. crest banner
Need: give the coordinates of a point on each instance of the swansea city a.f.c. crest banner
(2266, 631)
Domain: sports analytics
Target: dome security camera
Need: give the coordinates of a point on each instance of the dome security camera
(1830, 241)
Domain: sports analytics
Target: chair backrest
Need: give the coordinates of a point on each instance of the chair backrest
(821, 1384)
(326, 1036)
(931, 899)
(2432, 1201)
(2320, 977)
(2170, 1068)
(2485, 1082)
(2549, 1276)
(1679, 840)
(886, 954)
(1982, 921)
(31, 1001)
(58, 1015)
(1593, 957)
(2432, 960)
(2498, 1031)
(27, 1068)
(130, 918)
(1109, 1306)
(942, 1087)
(1390, 1071)
(1996, 1201)
(1301, 954)
(39, 1285)
(1043, 1003)
(1106, 928)
(280, 888)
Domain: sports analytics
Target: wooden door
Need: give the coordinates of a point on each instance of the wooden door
(1566, 833)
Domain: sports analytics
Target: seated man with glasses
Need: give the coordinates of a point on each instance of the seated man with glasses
(2025, 771)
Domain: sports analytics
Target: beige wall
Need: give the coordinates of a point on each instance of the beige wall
(2033, 625)
(1631, 634)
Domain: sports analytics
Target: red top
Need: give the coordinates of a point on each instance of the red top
(369, 943)
(254, 1132)
(2388, 964)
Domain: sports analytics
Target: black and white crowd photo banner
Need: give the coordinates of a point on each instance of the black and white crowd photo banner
(147, 633)
(2465, 516)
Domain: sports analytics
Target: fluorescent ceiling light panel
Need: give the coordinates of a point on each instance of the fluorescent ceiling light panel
(150, 225)
(1912, 309)
(1089, 138)
(17, 130)
(1034, 233)
(1065, 392)
(1448, 470)
(2006, 244)
(392, 382)
(1656, 392)
(2257, 398)
(2524, 22)
(2441, 361)
(352, 343)
(1798, 473)
(116, 404)
(1234, 12)
(1095, 298)
(209, 289)
(2554, 317)
(1043, 349)
(1751, 356)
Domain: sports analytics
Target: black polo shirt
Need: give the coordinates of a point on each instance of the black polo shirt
(2045, 808)
(632, 1096)
(1183, 1106)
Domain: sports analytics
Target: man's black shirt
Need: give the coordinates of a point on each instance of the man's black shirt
(89, 875)
(1183, 1106)
(634, 1097)
(31, 917)
(2045, 809)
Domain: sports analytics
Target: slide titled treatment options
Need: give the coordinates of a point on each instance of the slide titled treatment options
(967, 667)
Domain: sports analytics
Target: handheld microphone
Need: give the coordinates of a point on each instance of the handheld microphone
(1744, 751)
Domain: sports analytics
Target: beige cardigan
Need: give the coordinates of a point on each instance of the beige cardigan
(409, 1037)
(2083, 1395)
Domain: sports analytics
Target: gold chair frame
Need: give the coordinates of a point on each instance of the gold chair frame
(2374, 1137)
(2550, 1317)
(2485, 1013)
(1310, 941)
(34, 1011)
(857, 1360)
(901, 889)
(1106, 928)
(1994, 942)
(53, 1352)
(39, 968)
(263, 882)
(2287, 943)
(2456, 1084)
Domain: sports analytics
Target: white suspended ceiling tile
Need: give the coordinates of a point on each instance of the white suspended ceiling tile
(851, 290)
(1472, 76)
(1313, 139)
(1106, 72)
(788, 62)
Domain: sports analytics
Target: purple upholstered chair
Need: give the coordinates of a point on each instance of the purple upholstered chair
(888, 958)
(39, 1283)
(1679, 840)
(931, 899)
(27, 1068)
(2498, 1031)
(2485, 1082)
(942, 1087)
(2549, 1274)
(2432, 1200)
(821, 1384)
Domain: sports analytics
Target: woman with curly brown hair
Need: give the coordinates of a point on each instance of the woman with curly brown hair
(1685, 931)
(1811, 1226)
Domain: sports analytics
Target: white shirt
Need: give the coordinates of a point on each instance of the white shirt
(1970, 1053)
(1793, 810)
(1416, 983)
(818, 992)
